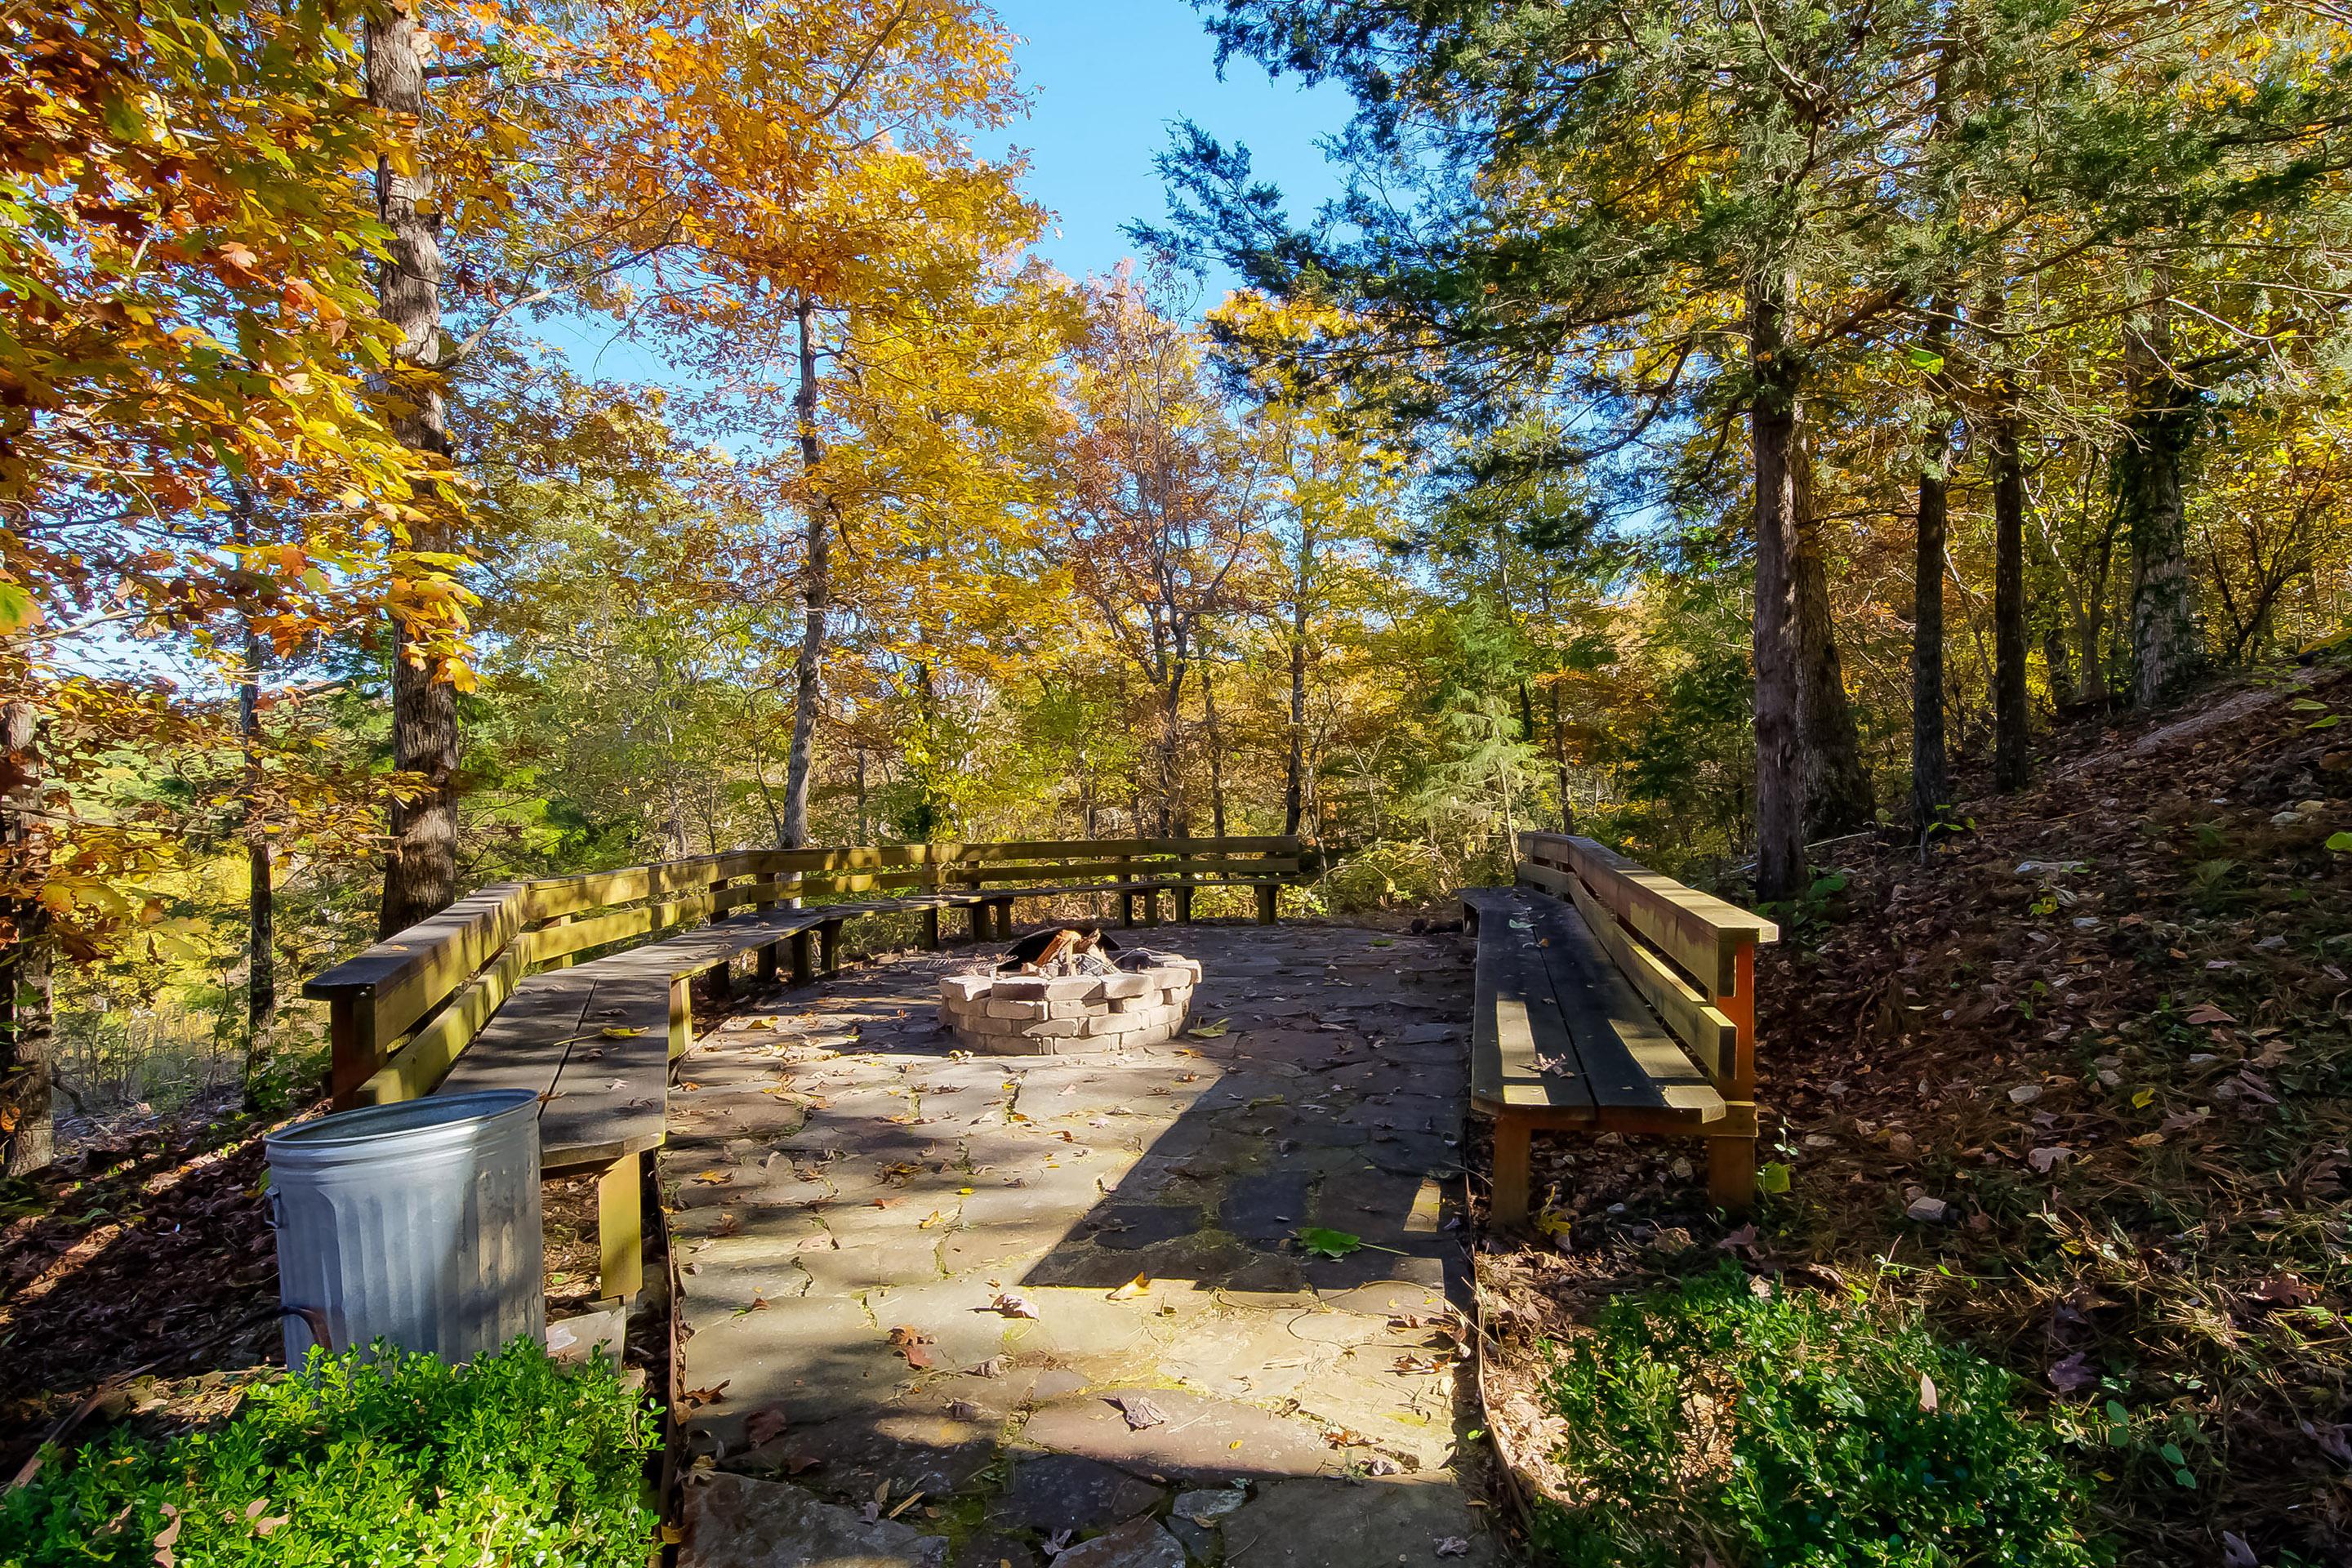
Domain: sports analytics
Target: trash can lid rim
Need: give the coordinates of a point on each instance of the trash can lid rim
(433, 1112)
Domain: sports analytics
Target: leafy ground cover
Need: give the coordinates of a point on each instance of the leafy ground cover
(1764, 1424)
(511, 1459)
(2077, 1091)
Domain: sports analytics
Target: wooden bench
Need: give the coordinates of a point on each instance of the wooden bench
(1137, 871)
(529, 984)
(1610, 998)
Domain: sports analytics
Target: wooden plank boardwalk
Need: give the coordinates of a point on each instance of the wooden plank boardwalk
(852, 1202)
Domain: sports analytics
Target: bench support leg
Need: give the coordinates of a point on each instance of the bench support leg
(1184, 906)
(1152, 906)
(681, 1017)
(828, 946)
(804, 974)
(768, 962)
(1731, 1174)
(1513, 1140)
(1003, 920)
(1127, 910)
(620, 1224)
(1265, 905)
(932, 931)
(722, 981)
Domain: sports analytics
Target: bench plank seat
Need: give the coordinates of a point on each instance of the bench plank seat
(1581, 1023)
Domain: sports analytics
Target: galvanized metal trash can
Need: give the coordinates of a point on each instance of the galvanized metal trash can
(416, 1223)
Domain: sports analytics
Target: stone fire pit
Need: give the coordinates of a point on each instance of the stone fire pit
(1043, 1015)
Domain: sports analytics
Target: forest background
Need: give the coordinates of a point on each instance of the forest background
(2000, 343)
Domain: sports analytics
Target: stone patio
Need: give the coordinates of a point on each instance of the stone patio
(964, 1311)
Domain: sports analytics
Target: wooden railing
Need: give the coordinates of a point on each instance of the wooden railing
(430, 989)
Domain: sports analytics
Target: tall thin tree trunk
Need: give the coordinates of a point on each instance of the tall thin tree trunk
(1559, 761)
(420, 874)
(1293, 774)
(1838, 795)
(1931, 775)
(1217, 749)
(2012, 756)
(261, 959)
(1174, 820)
(1780, 871)
(27, 1041)
(2156, 437)
(816, 594)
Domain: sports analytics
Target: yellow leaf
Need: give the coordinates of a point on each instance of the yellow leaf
(1139, 1285)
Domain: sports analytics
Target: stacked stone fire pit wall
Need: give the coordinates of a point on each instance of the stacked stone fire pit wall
(1033, 1015)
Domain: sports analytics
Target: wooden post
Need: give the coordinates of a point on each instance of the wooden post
(1508, 1204)
(1730, 1173)
(1125, 909)
(1152, 906)
(1185, 905)
(931, 929)
(681, 1017)
(722, 980)
(619, 1230)
(562, 960)
(1003, 920)
(768, 963)
(1266, 904)
(828, 940)
(980, 922)
(353, 1056)
(802, 973)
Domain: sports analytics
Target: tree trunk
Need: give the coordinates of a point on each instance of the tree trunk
(1294, 770)
(420, 873)
(27, 1041)
(1216, 752)
(1780, 871)
(1173, 819)
(2061, 666)
(2011, 756)
(261, 959)
(1838, 797)
(2156, 437)
(1931, 775)
(1559, 761)
(816, 594)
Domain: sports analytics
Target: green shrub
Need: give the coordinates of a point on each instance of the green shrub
(510, 1461)
(1778, 1431)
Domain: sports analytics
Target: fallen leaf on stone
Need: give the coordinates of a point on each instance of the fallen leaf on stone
(620, 1034)
(935, 1217)
(716, 1178)
(1345, 1437)
(963, 1410)
(1321, 1243)
(1451, 1546)
(764, 1425)
(1013, 1304)
(992, 1367)
(1139, 1285)
(711, 1395)
(912, 1344)
(1215, 1031)
(1141, 1412)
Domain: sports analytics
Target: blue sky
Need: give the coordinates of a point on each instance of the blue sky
(1108, 78)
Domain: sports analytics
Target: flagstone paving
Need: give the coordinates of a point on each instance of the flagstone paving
(961, 1311)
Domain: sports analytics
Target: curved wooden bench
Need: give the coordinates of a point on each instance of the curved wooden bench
(577, 987)
(1609, 999)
